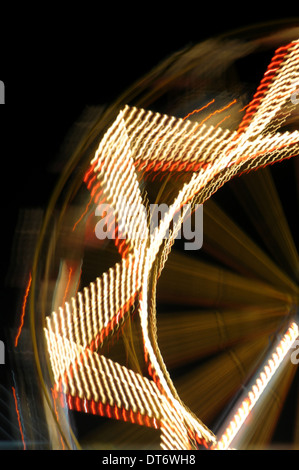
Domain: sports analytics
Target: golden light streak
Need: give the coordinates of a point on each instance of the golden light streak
(218, 226)
(281, 245)
(218, 111)
(148, 142)
(260, 428)
(258, 387)
(198, 110)
(188, 336)
(68, 285)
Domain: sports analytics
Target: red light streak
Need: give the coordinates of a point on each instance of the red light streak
(23, 310)
(218, 111)
(54, 392)
(220, 122)
(68, 285)
(88, 172)
(83, 214)
(243, 109)
(18, 415)
(264, 84)
(198, 110)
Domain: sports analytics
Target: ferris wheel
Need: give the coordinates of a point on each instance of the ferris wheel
(160, 313)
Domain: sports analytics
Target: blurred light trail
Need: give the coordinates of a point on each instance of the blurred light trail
(54, 397)
(222, 120)
(83, 213)
(260, 384)
(23, 310)
(198, 110)
(281, 244)
(18, 415)
(140, 143)
(68, 284)
(218, 111)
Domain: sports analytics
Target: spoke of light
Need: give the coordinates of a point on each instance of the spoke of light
(258, 387)
(148, 142)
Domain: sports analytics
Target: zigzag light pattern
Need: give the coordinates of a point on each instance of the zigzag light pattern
(141, 143)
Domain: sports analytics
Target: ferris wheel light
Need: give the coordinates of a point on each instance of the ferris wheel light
(259, 386)
(141, 140)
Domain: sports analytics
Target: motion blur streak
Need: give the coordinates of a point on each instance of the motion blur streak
(258, 387)
(218, 111)
(56, 413)
(144, 143)
(198, 110)
(68, 285)
(19, 419)
(23, 310)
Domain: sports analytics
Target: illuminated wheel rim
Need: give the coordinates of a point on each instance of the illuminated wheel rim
(190, 430)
